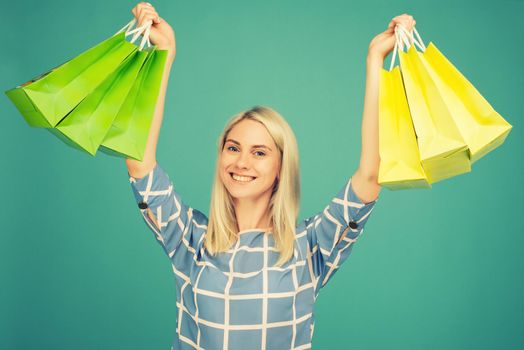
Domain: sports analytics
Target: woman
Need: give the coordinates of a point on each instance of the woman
(248, 276)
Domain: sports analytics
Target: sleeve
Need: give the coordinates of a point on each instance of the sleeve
(179, 223)
(332, 232)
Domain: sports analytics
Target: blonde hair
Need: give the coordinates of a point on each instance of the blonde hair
(284, 204)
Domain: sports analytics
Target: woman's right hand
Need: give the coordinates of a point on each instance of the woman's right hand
(161, 34)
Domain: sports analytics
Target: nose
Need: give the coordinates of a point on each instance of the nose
(242, 161)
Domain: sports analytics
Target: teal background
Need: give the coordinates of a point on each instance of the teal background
(435, 269)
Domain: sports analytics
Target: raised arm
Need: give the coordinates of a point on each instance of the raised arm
(163, 36)
(365, 179)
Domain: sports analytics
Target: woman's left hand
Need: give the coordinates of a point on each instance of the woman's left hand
(383, 44)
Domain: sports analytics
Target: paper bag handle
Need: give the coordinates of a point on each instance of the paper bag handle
(404, 37)
(145, 30)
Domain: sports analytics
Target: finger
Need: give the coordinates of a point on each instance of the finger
(155, 18)
(151, 18)
(145, 16)
(404, 17)
(141, 20)
(409, 20)
(137, 11)
(143, 6)
(404, 23)
(147, 5)
(409, 23)
(147, 11)
(399, 19)
(138, 8)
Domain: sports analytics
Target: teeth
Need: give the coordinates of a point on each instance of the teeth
(242, 178)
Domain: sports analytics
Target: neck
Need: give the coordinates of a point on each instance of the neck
(253, 213)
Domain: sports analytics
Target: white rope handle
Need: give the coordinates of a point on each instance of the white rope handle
(400, 41)
(409, 34)
(395, 50)
(419, 38)
(145, 30)
(145, 39)
(394, 56)
(127, 26)
(405, 37)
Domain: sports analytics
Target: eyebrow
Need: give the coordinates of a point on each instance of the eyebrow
(253, 146)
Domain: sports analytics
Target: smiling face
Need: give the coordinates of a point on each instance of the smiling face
(250, 153)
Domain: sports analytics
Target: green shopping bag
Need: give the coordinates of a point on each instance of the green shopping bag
(87, 125)
(46, 99)
(129, 132)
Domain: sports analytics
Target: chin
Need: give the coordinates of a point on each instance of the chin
(242, 192)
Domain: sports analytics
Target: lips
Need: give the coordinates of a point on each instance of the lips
(241, 181)
(254, 177)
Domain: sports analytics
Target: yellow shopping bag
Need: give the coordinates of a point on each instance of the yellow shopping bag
(443, 151)
(400, 166)
(482, 128)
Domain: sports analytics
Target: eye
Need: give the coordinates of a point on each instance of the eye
(231, 147)
(262, 153)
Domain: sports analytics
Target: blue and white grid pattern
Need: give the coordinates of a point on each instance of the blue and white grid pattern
(237, 300)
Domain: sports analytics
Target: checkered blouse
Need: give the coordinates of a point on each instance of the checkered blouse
(237, 299)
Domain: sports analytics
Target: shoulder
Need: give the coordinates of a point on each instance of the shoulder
(199, 217)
